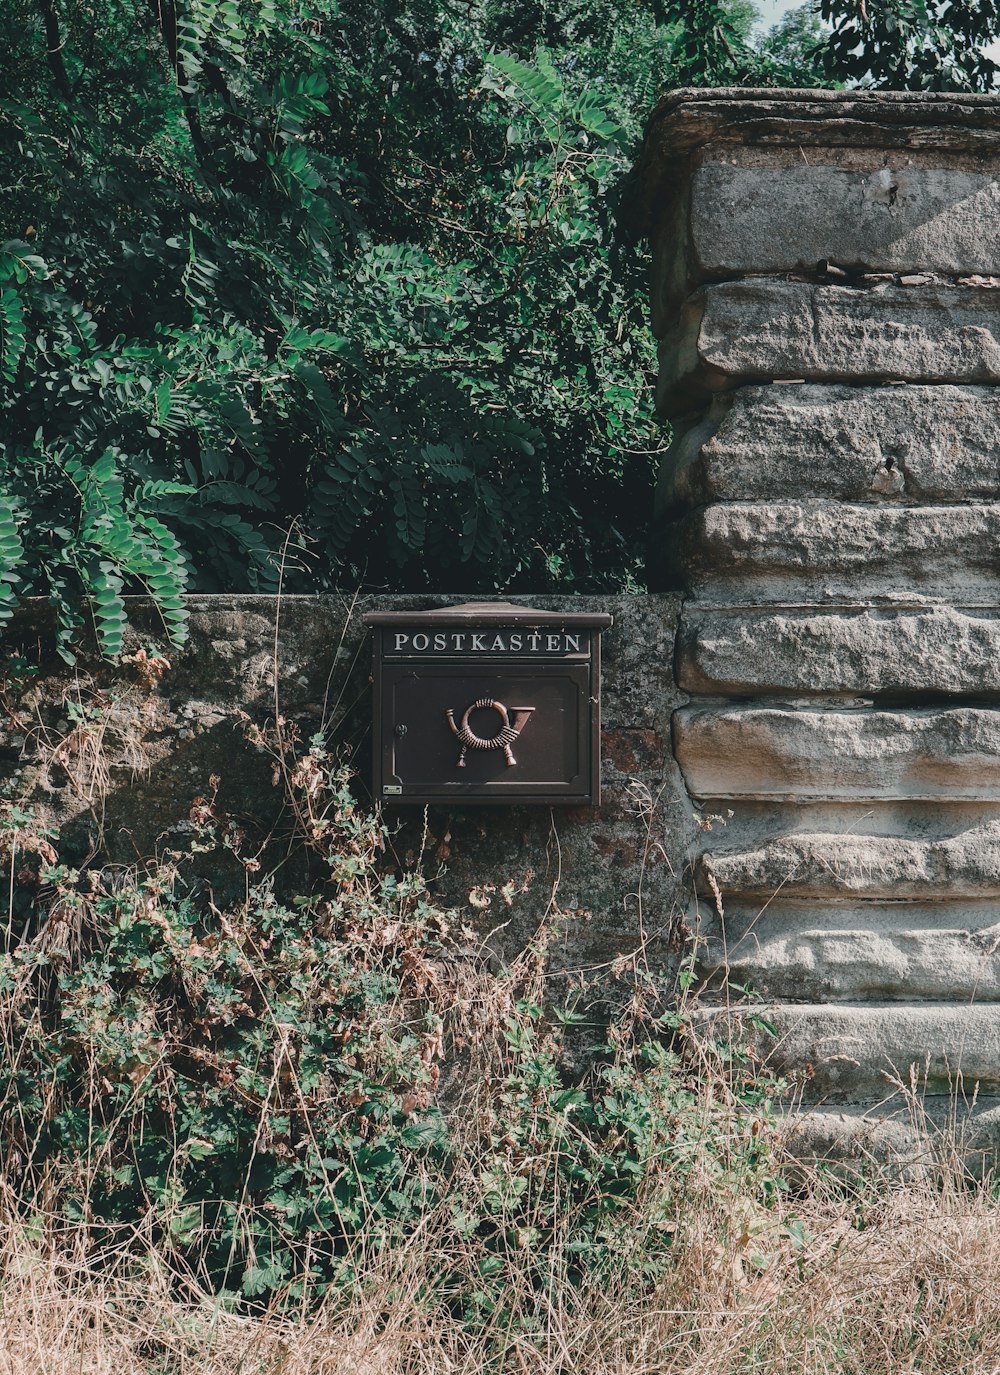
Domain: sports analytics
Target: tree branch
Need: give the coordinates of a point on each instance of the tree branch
(165, 16)
(54, 43)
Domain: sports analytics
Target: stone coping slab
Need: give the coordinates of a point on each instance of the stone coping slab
(687, 122)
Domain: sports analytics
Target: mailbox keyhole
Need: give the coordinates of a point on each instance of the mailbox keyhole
(401, 730)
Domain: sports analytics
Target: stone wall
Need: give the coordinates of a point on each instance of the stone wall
(826, 689)
(114, 758)
(829, 324)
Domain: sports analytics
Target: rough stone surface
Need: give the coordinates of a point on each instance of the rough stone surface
(125, 788)
(739, 220)
(759, 329)
(825, 292)
(939, 652)
(817, 551)
(861, 955)
(744, 922)
(808, 864)
(736, 752)
(906, 1136)
(755, 827)
(689, 126)
(795, 442)
(863, 1051)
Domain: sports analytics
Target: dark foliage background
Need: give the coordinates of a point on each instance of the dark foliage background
(341, 282)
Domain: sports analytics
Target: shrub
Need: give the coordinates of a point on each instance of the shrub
(277, 1087)
(258, 1078)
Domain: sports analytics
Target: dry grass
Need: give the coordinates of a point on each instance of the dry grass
(886, 1276)
(897, 1276)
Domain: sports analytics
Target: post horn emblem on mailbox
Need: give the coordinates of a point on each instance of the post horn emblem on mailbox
(504, 737)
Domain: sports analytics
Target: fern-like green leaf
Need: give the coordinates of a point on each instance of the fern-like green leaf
(163, 570)
(13, 339)
(540, 86)
(11, 557)
(408, 507)
(341, 498)
(109, 609)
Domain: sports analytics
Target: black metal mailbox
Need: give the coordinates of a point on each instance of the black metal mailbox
(487, 702)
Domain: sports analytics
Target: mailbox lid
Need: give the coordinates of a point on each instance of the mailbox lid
(490, 613)
(551, 707)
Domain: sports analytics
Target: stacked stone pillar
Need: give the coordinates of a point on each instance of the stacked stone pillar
(827, 299)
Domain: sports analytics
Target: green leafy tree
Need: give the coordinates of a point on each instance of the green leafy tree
(792, 46)
(911, 45)
(350, 273)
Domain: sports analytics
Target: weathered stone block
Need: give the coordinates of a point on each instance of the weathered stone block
(747, 220)
(732, 752)
(904, 1137)
(832, 953)
(814, 551)
(939, 651)
(830, 865)
(859, 1052)
(762, 443)
(763, 330)
(743, 922)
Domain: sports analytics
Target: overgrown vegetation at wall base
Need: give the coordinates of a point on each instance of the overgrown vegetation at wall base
(325, 1135)
(269, 1091)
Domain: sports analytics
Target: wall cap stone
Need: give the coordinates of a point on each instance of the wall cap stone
(686, 121)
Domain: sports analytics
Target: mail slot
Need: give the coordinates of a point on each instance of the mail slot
(487, 702)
